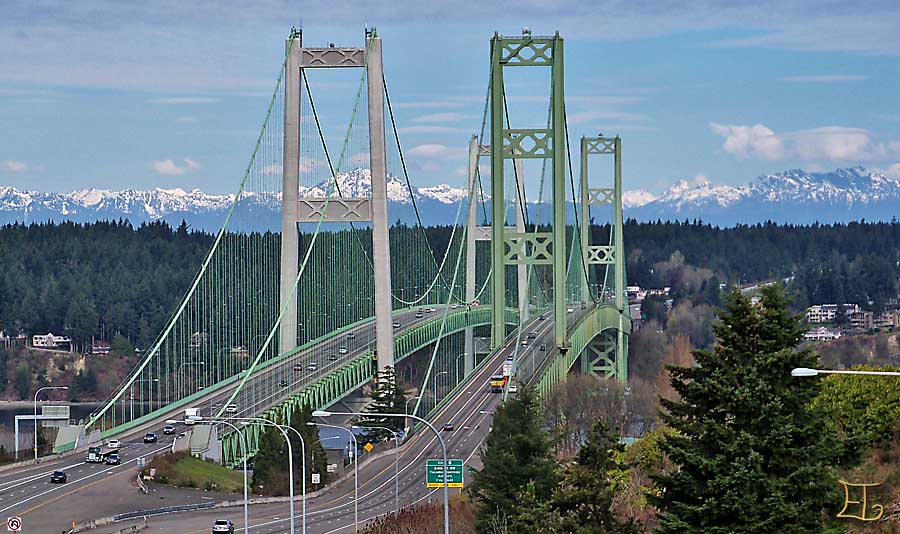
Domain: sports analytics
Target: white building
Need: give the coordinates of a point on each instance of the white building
(821, 334)
(50, 341)
(825, 313)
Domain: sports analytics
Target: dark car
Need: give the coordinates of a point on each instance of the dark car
(350, 335)
(58, 477)
(223, 525)
(333, 358)
(283, 384)
(543, 348)
(447, 427)
(113, 459)
(150, 437)
(168, 430)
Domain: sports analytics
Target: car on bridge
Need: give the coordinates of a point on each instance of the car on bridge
(448, 427)
(298, 367)
(542, 348)
(513, 388)
(58, 477)
(113, 444)
(168, 430)
(396, 324)
(231, 409)
(312, 366)
(419, 315)
(150, 437)
(350, 335)
(342, 350)
(532, 335)
(283, 384)
(113, 459)
(223, 525)
(333, 358)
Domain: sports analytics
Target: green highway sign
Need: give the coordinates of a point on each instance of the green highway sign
(434, 470)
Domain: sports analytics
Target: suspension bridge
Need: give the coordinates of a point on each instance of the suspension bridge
(309, 311)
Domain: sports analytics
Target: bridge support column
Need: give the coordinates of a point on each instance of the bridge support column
(290, 238)
(471, 228)
(519, 247)
(521, 269)
(381, 246)
(600, 356)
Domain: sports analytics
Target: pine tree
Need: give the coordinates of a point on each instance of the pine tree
(517, 452)
(752, 455)
(269, 464)
(316, 461)
(584, 499)
(387, 397)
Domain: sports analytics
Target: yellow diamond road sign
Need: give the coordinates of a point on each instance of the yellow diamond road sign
(368, 447)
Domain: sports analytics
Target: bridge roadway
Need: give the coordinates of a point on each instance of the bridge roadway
(27, 491)
(470, 412)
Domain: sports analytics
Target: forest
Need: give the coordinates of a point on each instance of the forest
(106, 278)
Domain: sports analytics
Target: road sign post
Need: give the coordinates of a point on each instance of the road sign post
(434, 470)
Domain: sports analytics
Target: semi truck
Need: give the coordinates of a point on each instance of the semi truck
(94, 455)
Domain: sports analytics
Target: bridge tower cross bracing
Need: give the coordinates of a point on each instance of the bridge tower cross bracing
(310, 209)
(605, 355)
(517, 247)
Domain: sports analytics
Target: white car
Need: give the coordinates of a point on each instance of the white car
(232, 408)
(342, 350)
(113, 444)
(569, 310)
(223, 525)
(513, 388)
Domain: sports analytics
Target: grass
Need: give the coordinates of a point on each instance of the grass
(182, 469)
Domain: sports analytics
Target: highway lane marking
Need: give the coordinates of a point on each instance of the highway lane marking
(63, 486)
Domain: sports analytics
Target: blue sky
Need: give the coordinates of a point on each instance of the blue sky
(171, 94)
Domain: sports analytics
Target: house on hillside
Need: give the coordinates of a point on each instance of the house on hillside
(51, 341)
(826, 313)
(821, 334)
(100, 348)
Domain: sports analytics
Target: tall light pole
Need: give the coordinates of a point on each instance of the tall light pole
(323, 413)
(244, 450)
(131, 393)
(266, 422)
(35, 418)
(355, 469)
(406, 410)
(180, 381)
(396, 462)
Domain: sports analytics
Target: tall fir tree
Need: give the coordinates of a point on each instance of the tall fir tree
(517, 452)
(387, 397)
(269, 464)
(584, 499)
(316, 461)
(752, 455)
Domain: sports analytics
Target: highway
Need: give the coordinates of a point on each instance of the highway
(331, 513)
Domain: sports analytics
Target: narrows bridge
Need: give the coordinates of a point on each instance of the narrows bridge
(311, 311)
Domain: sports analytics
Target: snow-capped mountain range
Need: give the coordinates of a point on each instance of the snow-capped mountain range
(793, 196)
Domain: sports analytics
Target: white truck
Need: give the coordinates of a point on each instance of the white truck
(192, 415)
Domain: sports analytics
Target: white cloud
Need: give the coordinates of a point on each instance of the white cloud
(893, 170)
(183, 100)
(755, 141)
(433, 151)
(15, 166)
(826, 78)
(168, 167)
(442, 117)
(829, 143)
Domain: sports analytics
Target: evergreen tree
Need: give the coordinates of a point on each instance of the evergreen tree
(269, 464)
(23, 380)
(517, 452)
(316, 461)
(584, 499)
(387, 397)
(121, 347)
(752, 455)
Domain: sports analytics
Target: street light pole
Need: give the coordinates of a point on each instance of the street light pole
(323, 413)
(396, 462)
(35, 418)
(245, 453)
(456, 365)
(355, 470)
(281, 428)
